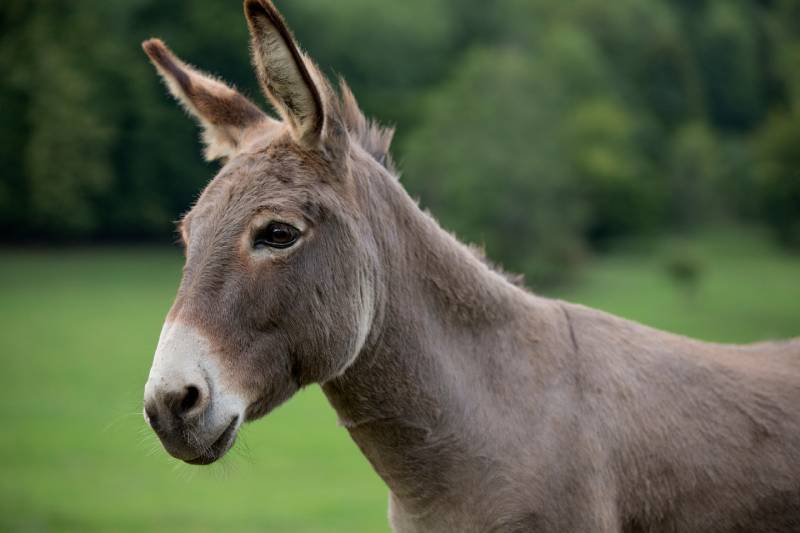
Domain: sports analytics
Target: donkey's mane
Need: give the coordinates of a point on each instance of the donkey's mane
(511, 277)
(376, 140)
(373, 137)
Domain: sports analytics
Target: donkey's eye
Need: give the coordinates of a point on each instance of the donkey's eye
(276, 235)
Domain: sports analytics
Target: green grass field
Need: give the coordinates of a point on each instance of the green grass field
(77, 332)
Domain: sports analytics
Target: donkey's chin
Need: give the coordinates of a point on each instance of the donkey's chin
(219, 447)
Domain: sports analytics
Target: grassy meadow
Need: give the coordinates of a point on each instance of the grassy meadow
(77, 332)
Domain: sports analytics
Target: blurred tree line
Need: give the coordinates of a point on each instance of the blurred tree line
(540, 128)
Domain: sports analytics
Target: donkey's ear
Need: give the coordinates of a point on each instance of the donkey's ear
(287, 79)
(224, 114)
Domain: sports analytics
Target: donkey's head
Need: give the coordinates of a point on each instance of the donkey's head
(278, 287)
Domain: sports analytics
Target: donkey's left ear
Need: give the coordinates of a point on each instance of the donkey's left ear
(291, 82)
(222, 111)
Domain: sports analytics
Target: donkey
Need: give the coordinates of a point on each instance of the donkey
(481, 405)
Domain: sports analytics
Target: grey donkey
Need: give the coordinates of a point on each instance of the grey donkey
(481, 405)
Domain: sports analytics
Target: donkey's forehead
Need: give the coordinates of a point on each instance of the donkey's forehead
(279, 174)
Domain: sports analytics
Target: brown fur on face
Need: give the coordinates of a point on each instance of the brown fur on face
(482, 406)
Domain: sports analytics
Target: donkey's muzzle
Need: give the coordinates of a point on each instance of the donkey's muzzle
(192, 410)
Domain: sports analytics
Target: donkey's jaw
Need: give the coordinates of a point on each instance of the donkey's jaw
(189, 405)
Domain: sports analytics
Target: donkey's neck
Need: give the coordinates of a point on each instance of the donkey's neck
(449, 346)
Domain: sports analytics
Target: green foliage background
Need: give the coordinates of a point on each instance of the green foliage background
(538, 128)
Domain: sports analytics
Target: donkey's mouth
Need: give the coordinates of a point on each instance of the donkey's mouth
(219, 446)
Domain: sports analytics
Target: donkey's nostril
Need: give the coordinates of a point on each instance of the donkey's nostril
(190, 398)
(182, 403)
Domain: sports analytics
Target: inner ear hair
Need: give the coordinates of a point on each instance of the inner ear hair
(284, 72)
(222, 111)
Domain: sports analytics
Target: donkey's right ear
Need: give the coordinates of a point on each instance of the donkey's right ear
(223, 113)
(290, 81)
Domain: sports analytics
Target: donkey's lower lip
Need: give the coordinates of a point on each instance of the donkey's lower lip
(219, 447)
